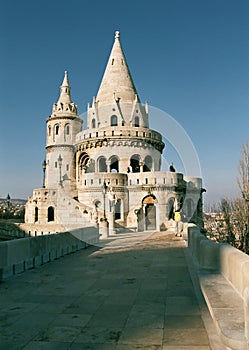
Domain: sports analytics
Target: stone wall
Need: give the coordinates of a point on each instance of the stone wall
(224, 279)
(19, 255)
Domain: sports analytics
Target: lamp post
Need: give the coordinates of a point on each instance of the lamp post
(104, 194)
(60, 164)
(44, 164)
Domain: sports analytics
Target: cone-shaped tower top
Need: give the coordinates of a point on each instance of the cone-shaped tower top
(65, 96)
(65, 105)
(117, 81)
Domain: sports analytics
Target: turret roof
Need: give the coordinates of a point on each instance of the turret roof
(65, 96)
(117, 83)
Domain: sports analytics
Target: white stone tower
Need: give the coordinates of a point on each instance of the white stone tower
(62, 128)
(109, 174)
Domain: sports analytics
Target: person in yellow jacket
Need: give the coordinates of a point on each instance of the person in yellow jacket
(177, 218)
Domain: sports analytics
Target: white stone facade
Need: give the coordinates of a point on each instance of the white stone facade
(118, 151)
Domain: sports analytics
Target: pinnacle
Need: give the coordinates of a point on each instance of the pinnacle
(65, 96)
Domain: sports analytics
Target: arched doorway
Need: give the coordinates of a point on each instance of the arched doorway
(117, 209)
(150, 212)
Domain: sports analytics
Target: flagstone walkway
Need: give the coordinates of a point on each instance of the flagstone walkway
(135, 292)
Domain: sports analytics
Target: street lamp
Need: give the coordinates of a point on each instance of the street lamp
(104, 193)
(44, 164)
(60, 164)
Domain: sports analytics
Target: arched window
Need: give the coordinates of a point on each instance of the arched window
(114, 120)
(134, 163)
(50, 214)
(57, 129)
(136, 120)
(93, 123)
(49, 130)
(102, 167)
(147, 164)
(114, 164)
(36, 214)
(67, 129)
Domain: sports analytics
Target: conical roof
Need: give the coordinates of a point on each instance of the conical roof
(117, 81)
(65, 96)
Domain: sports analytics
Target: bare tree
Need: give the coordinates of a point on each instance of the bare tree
(227, 210)
(241, 205)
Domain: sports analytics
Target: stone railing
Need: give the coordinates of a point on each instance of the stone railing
(224, 279)
(22, 254)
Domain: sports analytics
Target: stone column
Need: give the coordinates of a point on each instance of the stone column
(103, 229)
(108, 164)
(141, 165)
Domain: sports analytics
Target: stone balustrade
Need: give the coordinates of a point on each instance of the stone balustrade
(224, 279)
(122, 131)
(17, 256)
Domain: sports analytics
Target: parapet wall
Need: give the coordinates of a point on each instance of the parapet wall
(229, 261)
(19, 255)
(232, 295)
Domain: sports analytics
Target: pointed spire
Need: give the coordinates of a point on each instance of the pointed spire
(65, 96)
(65, 104)
(117, 82)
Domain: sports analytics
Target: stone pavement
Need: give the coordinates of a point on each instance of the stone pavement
(131, 294)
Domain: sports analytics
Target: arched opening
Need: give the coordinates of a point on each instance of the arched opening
(134, 162)
(150, 212)
(114, 167)
(117, 210)
(136, 121)
(114, 120)
(49, 130)
(171, 204)
(67, 129)
(57, 129)
(50, 214)
(102, 167)
(83, 162)
(36, 214)
(93, 123)
(147, 164)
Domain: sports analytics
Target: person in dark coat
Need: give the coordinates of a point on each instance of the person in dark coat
(171, 168)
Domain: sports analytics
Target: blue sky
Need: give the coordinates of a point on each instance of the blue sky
(188, 58)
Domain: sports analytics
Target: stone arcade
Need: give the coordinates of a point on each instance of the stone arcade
(109, 173)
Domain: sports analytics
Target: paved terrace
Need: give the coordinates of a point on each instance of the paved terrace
(132, 293)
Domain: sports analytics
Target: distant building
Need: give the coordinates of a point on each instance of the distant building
(111, 169)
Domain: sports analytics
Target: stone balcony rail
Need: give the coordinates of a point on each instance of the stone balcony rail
(122, 131)
(134, 179)
(224, 279)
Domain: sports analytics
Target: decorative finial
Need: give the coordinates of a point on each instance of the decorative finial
(117, 34)
(65, 72)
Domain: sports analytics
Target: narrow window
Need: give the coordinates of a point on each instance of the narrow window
(55, 164)
(56, 129)
(50, 214)
(49, 131)
(93, 124)
(136, 121)
(36, 214)
(67, 129)
(114, 120)
(112, 61)
(67, 167)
